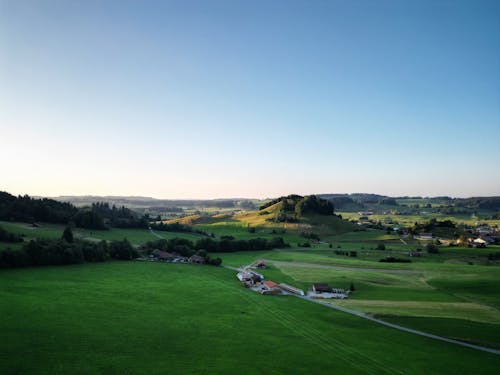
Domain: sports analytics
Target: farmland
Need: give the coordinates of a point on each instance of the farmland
(152, 317)
(47, 230)
(418, 291)
(136, 317)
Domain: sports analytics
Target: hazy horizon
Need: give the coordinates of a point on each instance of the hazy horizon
(209, 99)
(234, 197)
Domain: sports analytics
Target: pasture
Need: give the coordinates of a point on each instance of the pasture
(430, 288)
(142, 317)
(135, 236)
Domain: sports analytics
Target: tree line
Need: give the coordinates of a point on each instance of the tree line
(97, 216)
(177, 227)
(45, 252)
(188, 248)
(7, 236)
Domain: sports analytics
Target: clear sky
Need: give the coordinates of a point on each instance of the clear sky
(205, 99)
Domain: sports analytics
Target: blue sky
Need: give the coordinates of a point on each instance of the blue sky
(205, 99)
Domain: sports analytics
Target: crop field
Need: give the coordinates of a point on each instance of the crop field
(143, 317)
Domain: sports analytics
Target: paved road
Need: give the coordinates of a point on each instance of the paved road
(401, 328)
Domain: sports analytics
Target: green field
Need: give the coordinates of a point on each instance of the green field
(430, 288)
(151, 318)
(135, 236)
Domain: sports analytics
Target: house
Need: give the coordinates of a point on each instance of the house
(321, 288)
(165, 256)
(325, 291)
(196, 259)
(270, 287)
(244, 276)
(291, 289)
(478, 242)
(261, 264)
(425, 236)
(257, 276)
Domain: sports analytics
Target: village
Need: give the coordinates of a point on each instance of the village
(250, 278)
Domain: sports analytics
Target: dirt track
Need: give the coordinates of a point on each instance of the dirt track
(339, 268)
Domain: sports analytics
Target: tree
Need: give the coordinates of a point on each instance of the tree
(431, 248)
(352, 288)
(68, 235)
(381, 246)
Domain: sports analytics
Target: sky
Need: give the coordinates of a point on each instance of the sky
(211, 99)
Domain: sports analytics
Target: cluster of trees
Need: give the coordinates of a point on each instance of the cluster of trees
(27, 209)
(431, 248)
(119, 217)
(428, 226)
(292, 197)
(310, 235)
(177, 227)
(388, 202)
(96, 216)
(485, 203)
(67, 250)
(344, 202)
(188, 248)
(313, 204)
(294, 206)
(351, 253)
(181, 247)
(7, 236)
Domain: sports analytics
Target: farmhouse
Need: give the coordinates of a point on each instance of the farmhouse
(257, 276)
(325, 291)
(478, 242)
(249, 279)
(165, 256)
(261, 264)
(321, 288)
(425, 236)
(196, 259)
(270, 287)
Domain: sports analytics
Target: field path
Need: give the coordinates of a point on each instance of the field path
(339, 268)
(401, 328)
(155, 234)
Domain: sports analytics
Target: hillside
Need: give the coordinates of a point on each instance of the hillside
(294, 214)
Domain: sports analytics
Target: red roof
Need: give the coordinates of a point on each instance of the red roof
(270, 284)
(164, 255)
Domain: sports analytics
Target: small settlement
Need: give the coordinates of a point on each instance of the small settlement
(164, 256)
(249, 278)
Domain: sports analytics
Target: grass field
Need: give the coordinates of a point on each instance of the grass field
(423, 289)
(151, 318)
(135, 236)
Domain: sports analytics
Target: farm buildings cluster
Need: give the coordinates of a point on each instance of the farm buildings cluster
(256, 281)
(164, 256)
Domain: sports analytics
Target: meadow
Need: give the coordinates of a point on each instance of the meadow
(143, 317)
(47, 230)
(428, 288)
